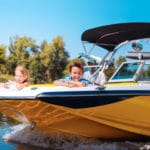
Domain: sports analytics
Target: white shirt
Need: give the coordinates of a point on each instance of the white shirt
(99, 79)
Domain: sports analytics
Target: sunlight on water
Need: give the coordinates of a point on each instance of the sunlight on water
(23, 133)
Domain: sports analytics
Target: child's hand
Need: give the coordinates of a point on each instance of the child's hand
(3, 85)
(19, 86)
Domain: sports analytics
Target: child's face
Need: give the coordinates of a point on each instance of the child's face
(76, 73)
(19, 77)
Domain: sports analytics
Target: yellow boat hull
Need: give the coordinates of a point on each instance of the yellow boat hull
(125, 119)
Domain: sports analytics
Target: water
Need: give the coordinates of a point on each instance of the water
(16, 136)
(8, 127)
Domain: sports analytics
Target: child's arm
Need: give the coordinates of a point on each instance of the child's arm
(61, 83)
(2, 85)
(76, 84)
(22, 85)
(69, 83)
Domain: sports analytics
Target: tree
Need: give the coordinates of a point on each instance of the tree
(36, 69)
(20, 49)
(120, 60)
(45, 62)
(54, 57)
(109, 72)
(2, 59)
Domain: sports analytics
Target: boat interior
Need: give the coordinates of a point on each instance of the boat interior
(136, 69)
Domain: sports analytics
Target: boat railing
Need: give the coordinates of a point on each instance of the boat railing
(138, 55)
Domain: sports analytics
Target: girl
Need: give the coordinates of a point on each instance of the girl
(21, 79)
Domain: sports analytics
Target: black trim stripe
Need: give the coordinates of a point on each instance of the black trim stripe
(85, 99)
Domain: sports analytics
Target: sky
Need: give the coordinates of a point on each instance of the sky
(47, 19)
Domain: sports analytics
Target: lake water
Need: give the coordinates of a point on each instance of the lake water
(16, 136)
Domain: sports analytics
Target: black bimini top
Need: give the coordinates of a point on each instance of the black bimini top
(110, 36)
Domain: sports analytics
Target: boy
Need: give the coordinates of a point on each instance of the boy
(75, 78)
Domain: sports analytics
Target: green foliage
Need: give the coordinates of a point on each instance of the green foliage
(2, 59)
(36, 70)
(20, 49)
(109, 72)
(120, 60)
(46, 62)
(54, 58)
(6, 77)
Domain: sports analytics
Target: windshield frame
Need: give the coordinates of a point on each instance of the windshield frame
(120, 76)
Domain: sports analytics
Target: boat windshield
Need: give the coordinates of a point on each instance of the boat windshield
(126, 72)
(145, 75)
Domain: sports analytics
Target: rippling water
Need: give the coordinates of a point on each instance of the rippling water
(16, 136)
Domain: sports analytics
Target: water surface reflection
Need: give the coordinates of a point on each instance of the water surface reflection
(15, 136)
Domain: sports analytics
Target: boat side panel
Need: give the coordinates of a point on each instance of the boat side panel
(88, 98)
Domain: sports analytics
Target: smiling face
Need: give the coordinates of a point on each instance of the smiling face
(21, 74)
(20, 77)
(76, 73)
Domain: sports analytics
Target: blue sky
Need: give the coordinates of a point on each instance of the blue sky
(46, 19)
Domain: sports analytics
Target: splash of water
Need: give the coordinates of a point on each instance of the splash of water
(23, 133)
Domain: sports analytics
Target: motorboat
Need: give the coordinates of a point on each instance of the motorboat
(118, 110)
